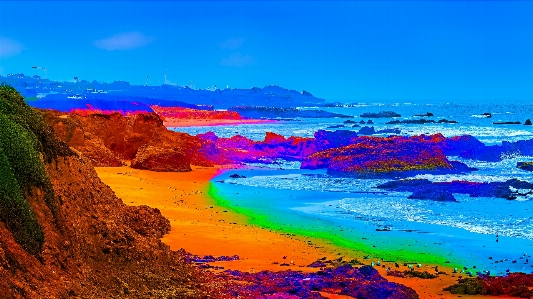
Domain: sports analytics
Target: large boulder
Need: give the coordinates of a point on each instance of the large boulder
(373, 155)
(161, 159)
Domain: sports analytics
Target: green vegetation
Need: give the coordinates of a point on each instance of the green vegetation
(26, 142)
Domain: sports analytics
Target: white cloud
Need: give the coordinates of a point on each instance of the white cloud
(232, 43)
(9, 47)
(238, 60)
(124, 41)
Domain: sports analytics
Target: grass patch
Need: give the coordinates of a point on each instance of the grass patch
(26, 143)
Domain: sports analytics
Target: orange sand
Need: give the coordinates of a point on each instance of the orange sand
(180, 122)
(202, 228)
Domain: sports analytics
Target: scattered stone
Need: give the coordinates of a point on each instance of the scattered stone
(525, 166)
(382, 114)
(447, 121)
(428, 114)
(237, 176)
(335, 126)
(507, 123)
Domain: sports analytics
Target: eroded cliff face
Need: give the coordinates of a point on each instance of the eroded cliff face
(112, 140)
(97, 248)
(64, 233)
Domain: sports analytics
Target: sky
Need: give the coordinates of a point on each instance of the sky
(353, 51)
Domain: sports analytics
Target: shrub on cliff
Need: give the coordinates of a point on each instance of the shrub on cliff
(25, 143)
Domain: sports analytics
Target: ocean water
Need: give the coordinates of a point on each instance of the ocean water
(468, 117)
(491, 233)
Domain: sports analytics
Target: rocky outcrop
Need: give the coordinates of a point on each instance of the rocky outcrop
(111, 140)
(443, 191)
(513, 284)
(382, 114)
(469, 147)
(528, 122)
(161, 159)
(373, 156)
(363, 282)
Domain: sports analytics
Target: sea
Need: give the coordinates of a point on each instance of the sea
(476, 234)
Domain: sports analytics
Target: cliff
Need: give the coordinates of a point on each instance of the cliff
(112, 140)
(63, 233)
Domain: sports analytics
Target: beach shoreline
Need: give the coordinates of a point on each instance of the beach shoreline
(179, 122)
(202, 227)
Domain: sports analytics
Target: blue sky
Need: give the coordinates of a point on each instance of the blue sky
(352, 51)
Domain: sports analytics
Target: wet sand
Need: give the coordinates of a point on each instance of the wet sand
(202, 228)
(182, 122)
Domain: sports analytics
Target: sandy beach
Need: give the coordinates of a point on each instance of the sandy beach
(182, 122)
(202, 228)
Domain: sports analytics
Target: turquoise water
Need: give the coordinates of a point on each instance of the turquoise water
(489, 233)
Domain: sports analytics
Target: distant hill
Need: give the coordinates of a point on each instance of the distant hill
(44, 93)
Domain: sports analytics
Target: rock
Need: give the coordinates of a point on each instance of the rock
(335, 127)
(109, 140)
(369, 122)
(147, 221)
(411, 121)
(443, 191)
(367, 131)
(512, 284)
(432, 192)
(507, 123)
(161, 159)
(363, 282)
(382, 114)
(447, 121)
(525, 166)
(273, 138)
(389, 131)
(380, 156)
(528, 122)
(349, 122)
(487, 115)
(236, 176)
(336, 138)
(428, 114)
